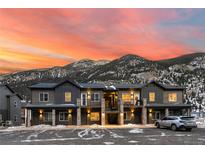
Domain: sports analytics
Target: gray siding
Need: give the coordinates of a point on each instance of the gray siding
(7, 108)
(66, 87)
(179, 96)
(35, 96)
(152, 88)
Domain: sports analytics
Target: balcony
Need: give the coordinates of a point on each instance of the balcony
(132, 103)
(91, 103)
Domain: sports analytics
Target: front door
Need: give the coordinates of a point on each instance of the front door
(157, 115)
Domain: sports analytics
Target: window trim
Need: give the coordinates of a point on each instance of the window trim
(64, 117)
(94, 97)
(86, 97)
(169, 97)
(70, 96)
(48, 118)
(43, 96)
(154, 97)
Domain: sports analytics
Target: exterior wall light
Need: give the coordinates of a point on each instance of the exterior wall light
(150, 110)
(69, 111)
(88, 111)
(132, 110)
(89, 95)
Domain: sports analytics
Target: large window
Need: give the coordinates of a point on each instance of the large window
(63, 116)
(172, 97)
(151, 96)
(126, 97)
(94, 116)
(67, 96)
(83, 99)
(95, 97)
(48, 116)
(43, 97)
(127, 116)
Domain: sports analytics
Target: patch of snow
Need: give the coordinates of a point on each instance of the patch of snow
(136, 131)
(152, 139)
(201, 139)
(132, 141)
(130, 125)
(200, 122)
(53, 139)
(89, 134)
(109, 143)
(163, 134)
(114, 135)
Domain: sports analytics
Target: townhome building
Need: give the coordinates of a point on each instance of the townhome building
(71, 103)
(10, 107)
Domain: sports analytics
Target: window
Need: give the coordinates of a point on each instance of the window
(15, 118)
(48, 116)
(63, 116)
(43, 97)
(1, 118)
(83, 99)
(172, 97)
(67, 96)
(15, 104)
(95, 97)
(127, 115)
(151, 96)
(94, 116)
(126, 97)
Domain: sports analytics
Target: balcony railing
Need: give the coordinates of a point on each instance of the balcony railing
(128, 103)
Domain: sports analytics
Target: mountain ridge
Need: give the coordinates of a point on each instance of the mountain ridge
(186, 70)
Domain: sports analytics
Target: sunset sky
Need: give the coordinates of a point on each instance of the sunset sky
(41, 38)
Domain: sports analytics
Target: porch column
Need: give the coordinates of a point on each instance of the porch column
(121, 118)
(167, 112)
(78, 112)
(144, 112)
(103, 111)
(53, 117)
(28, 117)
(25, 116)
(188, 112)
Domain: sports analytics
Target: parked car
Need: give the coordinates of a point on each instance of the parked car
(177, 122)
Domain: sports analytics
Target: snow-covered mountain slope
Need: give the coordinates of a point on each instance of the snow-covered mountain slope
(187, 70)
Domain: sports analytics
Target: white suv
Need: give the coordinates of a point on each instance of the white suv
(177, 122)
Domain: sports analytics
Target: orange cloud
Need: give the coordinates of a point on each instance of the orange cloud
(34, 37)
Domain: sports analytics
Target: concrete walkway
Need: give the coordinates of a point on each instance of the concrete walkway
(73, 127)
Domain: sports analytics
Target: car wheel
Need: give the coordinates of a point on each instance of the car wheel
(158, 125)
(188, 129)
(173, 127)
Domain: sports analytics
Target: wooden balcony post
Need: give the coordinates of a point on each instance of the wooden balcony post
(167, 112)
(144, 112)
(53, 117)
(103, 111)
(78, 112)
(121, 116)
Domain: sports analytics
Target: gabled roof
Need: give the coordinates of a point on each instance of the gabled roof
(8, 87)
(128, 86)
(43, 86)
(166, 87)
(92, 85)
(52, 85)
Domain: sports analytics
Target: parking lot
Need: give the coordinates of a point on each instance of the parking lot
(104, 136)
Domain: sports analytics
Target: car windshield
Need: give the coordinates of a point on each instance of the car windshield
(187, 118)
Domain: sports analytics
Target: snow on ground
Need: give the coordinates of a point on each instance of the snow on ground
(90, 134)
(136, 131)
(132, 141)
(200, 122)
(109, 143)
